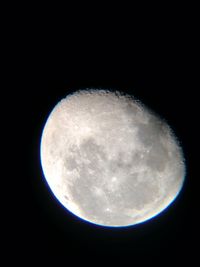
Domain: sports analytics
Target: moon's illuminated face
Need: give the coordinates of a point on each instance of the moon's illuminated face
(109, 160)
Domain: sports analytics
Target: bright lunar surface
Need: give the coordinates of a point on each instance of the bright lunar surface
(109, 159)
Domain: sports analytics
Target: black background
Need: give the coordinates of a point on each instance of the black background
(158, 71)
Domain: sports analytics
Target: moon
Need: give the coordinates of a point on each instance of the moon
(109, 159)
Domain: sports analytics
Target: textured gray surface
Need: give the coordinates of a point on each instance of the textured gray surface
(109, 160)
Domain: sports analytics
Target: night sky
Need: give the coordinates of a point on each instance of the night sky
(42, 230)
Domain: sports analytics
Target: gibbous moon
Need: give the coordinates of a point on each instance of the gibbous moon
(109, 159)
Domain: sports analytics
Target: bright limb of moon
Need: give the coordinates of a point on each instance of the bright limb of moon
(109, 160)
